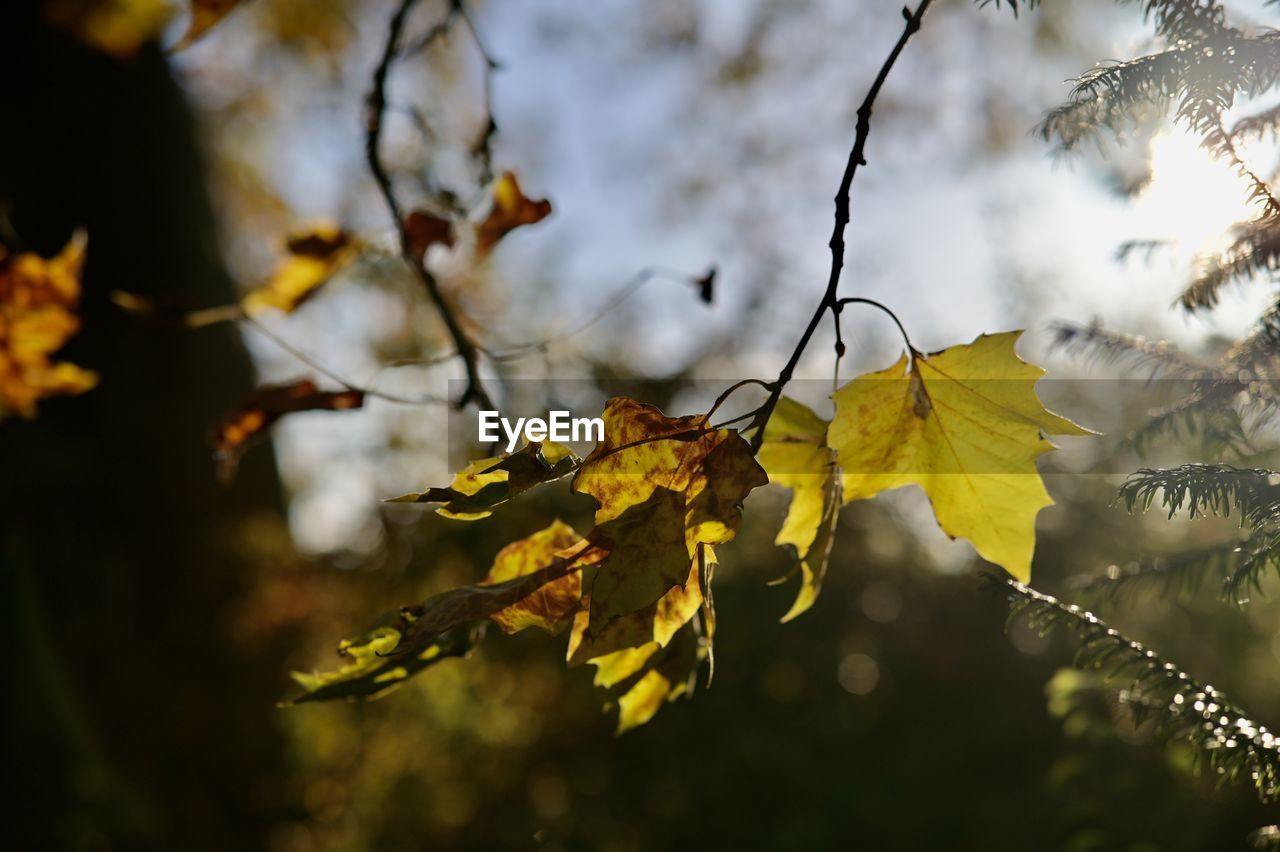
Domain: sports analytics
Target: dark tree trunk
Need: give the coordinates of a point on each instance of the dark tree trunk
(137, 721)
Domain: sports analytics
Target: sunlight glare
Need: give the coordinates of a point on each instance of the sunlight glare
(1193, 197)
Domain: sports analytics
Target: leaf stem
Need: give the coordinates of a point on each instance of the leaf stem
(858, 300)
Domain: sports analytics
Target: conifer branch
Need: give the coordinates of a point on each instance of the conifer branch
(1159, 357)
(1226, 740)
(1254, 253)
(1204, 490)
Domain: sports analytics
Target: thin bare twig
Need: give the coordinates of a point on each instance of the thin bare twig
(328, 373)
(625, 292)
(482, 150)
(376, 106)
(856, 159)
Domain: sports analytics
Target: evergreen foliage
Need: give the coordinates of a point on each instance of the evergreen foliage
(1201, 66)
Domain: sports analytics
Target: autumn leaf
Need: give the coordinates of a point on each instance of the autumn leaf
(966, 426)
(204, 14)
(260, 410)
(667, 675)
(636, 634)
(549, 606)
(118, 28)
(483, 485)
(510, 210)
(38, 297)
(314, 256)
(796, 456)
(663, 486)
(635, 656)
(444, 625)
(424, 230)
(375, 668)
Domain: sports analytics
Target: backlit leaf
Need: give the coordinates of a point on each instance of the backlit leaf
(442, 626)
(668, 674)
(551, 605)
(483, 485)
(648, 556)
(376, 668)
(510, 210)
(663, 486)
(796, 456)
(966, 426)
(653, 625)
(38, 297)
(314, 257)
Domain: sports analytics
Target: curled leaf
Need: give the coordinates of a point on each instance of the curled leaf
(38, 297)
(442, 626)
(706, 285)
(374, 668)
(510, 210)
(483, 485)
(652, 625)
(668, 674)
(796, 456)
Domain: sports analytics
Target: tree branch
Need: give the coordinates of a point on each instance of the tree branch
(376, 106)
(856, 159)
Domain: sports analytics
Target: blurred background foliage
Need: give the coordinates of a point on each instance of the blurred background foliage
(153, 614)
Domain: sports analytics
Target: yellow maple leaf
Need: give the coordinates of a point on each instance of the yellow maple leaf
(314, 256)
(965, 425)
(796, 456)
(38, 297)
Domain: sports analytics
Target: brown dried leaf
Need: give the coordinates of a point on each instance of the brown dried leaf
(424, 230)
(510, 210)
(257, 412)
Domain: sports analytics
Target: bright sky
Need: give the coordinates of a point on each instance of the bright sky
(650, 161)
